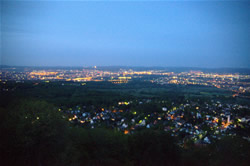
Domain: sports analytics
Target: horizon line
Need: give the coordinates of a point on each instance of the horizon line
(126, 66)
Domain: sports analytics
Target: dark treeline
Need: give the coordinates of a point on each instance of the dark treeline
(35, 133)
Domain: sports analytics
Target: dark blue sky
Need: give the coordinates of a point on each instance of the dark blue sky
(83, 33)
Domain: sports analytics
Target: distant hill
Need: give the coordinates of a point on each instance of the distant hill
(137, 68)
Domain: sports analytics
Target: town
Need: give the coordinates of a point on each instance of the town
(199, 117)
(235, 82)
(193, 121)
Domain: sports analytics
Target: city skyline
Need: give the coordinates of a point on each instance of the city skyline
(165, 33)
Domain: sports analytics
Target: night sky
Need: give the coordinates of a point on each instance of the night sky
(163, 33)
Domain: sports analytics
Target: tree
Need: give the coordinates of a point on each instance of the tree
(231, 151)
(152, 147)
(34, 134)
